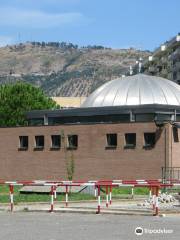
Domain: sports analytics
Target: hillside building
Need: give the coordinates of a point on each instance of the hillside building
(165, 61)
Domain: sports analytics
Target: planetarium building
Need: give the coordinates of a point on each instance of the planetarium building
(127, 129)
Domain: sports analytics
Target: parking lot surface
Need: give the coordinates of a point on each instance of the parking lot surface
(56, 226)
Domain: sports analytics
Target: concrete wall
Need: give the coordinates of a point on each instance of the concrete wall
(92, 160)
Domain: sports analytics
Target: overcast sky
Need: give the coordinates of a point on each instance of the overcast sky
(142, 24)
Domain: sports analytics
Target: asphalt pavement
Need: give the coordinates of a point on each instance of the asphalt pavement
(57, 226)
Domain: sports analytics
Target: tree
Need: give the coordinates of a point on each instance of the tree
(69, 158)
(70, 166)
(16, 99)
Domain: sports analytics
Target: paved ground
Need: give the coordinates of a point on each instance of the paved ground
(57, 226)
(130, 206)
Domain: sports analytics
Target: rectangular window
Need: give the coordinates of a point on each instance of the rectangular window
(149, 140)
(175, 134)
(36, 122)
(23, 142)
(39, 142)
(72, 141)
(144, 117)
(55, 141)
(111, 139)
(130, 140)
(163, 117)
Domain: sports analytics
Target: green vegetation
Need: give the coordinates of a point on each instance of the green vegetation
(34, 197)
(70, 166)
(46, 62)
(69, 158)
(21, 197)
(44, 197)
(18, 98)
(137, 191)
(65, 45)
(64, 69)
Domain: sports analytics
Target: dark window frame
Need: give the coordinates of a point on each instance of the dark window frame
(23, 139)
(130, 140)
(36, 122)
(54, 138)
(149, 142)
(175, 134)
(111, 141)
(37, 145)
(72, 141)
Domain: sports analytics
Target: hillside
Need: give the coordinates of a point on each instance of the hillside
(62, 69)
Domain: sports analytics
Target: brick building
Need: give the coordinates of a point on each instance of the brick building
(127, 129)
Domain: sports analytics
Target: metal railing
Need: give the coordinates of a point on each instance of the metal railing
(171, 173)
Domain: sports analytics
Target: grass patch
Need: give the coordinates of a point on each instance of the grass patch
(34, 197)
(44, 197)
(124, 190)
(5, 189)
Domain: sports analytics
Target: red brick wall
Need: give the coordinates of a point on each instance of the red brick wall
(175, 146)
(92, 160)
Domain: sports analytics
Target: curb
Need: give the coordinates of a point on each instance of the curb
(92, 211)
(80, 212)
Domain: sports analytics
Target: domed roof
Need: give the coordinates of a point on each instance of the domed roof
(138, 89)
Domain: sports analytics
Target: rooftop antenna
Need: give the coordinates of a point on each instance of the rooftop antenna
(140, 64)
(130, 70)
(140, 61)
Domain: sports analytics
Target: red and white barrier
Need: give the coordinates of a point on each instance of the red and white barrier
(156, 202)
(153, 185)
(52, 199)
(150, 192)
(95, 191)
(11, 192)
(153, 201)
(132, 192)
(99, 200)
(89, 183)
(107, 199)
(66, 195)
(55, 192)
(110, 195)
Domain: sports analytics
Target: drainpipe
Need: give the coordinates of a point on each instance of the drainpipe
(161, 125)
(171, 145)
(45, 119)
(165, 157)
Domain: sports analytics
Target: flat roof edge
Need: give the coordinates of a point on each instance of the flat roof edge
(94, 111)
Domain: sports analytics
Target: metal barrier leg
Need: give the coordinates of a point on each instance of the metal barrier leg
(55, 193)
(99, 201)
(66, 195)
(11, 191)
(95, 191)
(107, 200)
(153, 198)
(157, 202)
(110, 195)
(52, 199)
(150, 192)
(132, 193)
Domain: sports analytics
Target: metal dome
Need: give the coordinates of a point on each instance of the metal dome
(138, 89)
